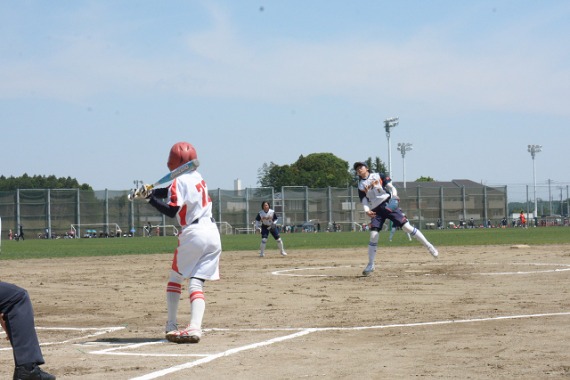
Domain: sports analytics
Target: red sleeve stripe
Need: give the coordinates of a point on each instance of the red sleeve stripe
(173, 194)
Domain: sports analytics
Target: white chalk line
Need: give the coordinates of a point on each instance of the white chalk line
(98, 331)
(306, 331)
(565, 268)
(284, 272)
(131, 346)
(229, 352)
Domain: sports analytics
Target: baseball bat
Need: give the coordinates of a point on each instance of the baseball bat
(184, 168)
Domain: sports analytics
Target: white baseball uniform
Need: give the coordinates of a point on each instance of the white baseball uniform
(199, 244)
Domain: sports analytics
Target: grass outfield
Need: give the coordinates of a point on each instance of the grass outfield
(38, 248)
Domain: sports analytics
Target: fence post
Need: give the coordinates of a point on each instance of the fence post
(283, 206)
(106, 212)
(329, 206)
(352, 221)
(419, 206)
(485, 206)
(527, 205)
(567, 203)
(18, 215)
(48, 214)
(247, 207)
(306, 204)
(441, 207)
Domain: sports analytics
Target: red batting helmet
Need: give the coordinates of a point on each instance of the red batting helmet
(181, 153)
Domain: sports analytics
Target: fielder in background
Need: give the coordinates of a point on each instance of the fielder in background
(199, 246)
(17, 319)
(380, 201)
(265, 222)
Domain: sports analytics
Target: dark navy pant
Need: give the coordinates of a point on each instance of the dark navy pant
(16, 306)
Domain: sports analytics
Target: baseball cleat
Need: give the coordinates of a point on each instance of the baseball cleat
(261, 254)
(368, 270)
(188, 335)
(283, 253)
(34, 372)
(433, 251)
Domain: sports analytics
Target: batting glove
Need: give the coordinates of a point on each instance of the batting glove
(144, 192)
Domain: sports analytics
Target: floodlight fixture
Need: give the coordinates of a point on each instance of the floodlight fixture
(403, 148)
(388, 125)
(533, 150)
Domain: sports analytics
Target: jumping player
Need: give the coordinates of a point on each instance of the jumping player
(380, 201)
(199, 246)
(265, 222)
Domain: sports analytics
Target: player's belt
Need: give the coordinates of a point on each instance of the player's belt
(195, 221)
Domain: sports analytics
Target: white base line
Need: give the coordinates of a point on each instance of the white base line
(210, 358)
(97, 331)
(307, 331)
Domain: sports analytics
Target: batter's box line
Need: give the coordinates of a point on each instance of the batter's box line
(132, 346)
(305, 331)
(97, 332)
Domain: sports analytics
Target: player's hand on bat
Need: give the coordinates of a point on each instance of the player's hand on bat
(144, 192)
(371, 213)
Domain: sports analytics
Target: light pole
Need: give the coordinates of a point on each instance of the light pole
(533, 150)
(133, 228)
(403, 148)
(388, 124)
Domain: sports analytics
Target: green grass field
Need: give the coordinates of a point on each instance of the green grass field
(37, 248)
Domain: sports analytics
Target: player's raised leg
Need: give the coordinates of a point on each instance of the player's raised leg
(413, 231)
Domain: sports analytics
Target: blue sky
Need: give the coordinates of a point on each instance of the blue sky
(100, 90)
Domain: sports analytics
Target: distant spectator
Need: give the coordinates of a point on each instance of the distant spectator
(522, 219)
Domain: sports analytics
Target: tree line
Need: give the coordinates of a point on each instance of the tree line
(316, 170)
(40, 182)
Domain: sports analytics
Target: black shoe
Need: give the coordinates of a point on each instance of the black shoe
(36, 373)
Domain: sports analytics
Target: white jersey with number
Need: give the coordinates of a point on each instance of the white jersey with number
(199, 244)
(190, 193)
(375, 190)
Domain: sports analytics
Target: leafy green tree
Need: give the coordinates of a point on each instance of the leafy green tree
(40, 182)
(317, 170)
(425, 179)
(376, 165)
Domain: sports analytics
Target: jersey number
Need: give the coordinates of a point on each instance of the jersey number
(202, 189)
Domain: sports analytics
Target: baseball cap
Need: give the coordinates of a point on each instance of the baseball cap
(359, 164)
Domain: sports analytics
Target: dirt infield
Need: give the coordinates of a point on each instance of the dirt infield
(476, 313)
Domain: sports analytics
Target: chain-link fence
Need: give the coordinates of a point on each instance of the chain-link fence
(50, 213)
